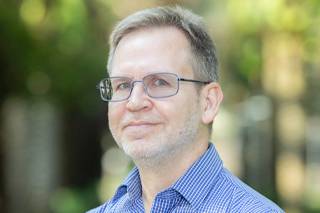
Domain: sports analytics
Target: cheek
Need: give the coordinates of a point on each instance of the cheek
(114, 116)
(175, 113)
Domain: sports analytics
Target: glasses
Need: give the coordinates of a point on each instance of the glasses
(156, 85)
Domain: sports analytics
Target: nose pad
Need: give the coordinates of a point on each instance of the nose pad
(139, 89)
(138, 98)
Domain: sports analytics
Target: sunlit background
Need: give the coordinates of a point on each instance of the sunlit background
(56, 152)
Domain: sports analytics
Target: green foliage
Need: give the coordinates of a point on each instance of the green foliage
(74, 200)
(67, 46)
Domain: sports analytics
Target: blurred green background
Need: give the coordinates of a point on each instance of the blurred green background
(56, 152)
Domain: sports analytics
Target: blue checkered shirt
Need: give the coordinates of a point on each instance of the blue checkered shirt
(206, 187)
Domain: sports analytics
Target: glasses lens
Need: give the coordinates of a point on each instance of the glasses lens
(161, 85)
(158, 85)
(115, 88)
(120, 88)
(105, 90)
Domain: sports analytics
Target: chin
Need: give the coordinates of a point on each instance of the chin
(142, 150)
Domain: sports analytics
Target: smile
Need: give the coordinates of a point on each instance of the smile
(139, 124)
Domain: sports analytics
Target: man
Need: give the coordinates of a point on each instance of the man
(163, 97)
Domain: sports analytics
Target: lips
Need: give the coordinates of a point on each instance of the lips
(139, 129)
(139, 124)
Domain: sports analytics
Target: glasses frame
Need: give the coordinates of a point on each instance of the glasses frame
(99, 87)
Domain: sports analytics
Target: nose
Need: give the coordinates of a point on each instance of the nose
(138, 100)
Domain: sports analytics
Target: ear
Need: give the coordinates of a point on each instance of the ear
(211, 97)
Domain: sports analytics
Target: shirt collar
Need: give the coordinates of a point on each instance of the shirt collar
(131, 185)
(196, 183)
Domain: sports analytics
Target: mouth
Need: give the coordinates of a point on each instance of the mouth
(139, 125)
(135, 130)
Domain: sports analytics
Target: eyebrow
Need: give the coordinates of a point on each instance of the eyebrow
(150, 72)
(145, 74)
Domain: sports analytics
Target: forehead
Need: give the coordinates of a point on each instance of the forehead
(149, 50)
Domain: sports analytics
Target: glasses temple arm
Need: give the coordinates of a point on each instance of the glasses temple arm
(195, 81)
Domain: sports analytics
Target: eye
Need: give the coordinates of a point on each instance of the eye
(160, 83)
(123, 86)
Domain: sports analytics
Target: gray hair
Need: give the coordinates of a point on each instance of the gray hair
(205, 61)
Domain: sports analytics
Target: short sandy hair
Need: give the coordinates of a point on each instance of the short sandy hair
(205, 61)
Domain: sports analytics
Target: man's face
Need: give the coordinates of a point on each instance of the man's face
(148, 128)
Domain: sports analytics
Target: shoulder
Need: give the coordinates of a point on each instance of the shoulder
(246, 199)
(233, 195)
(121, 204)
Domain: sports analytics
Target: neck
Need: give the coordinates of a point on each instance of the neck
(159, 177)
